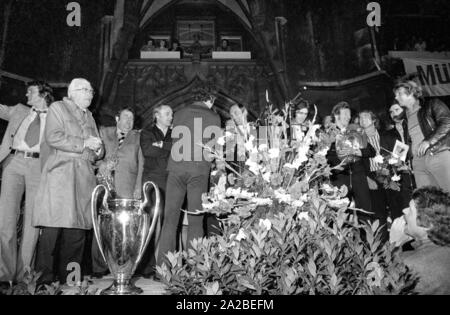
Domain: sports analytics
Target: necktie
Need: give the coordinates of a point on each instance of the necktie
(34, 130)
(121, 138)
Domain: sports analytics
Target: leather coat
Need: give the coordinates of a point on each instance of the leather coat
(434, 121)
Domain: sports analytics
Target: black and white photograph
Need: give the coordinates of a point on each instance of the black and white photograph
(227, 148)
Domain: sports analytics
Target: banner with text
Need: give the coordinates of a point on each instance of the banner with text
(433, 74)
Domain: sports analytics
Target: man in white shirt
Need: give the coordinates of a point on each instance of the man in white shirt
(22, 153)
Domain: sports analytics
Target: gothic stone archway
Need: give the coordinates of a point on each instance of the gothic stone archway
(146, 84)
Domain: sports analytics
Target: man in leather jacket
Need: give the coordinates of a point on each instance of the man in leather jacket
(429, 130)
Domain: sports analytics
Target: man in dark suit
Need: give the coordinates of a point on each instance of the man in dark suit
(123, 153)
(189, 168)
(156, 146)
(23, 152)
(399, 200)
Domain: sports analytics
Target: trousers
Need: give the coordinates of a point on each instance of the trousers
(20, 175)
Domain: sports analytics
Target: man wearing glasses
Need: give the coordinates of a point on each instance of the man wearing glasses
(63, 199)
(22, 153)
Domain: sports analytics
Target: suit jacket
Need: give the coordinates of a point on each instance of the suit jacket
(15, 116)
(189, 124)
(130, 161)
(63, 199)
(434, 121)
(156, 158)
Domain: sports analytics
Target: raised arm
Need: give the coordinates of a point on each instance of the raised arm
(6, 112)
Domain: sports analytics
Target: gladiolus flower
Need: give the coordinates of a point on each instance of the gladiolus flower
(396, 178)
(274, 153)
(378, 159)
(241, 235)
(267, 224)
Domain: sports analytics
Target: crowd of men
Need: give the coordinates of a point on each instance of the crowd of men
(52, 152)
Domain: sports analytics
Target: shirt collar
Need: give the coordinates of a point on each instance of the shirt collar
(36, 110)
(120, 132)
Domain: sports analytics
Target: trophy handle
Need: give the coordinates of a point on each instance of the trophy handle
(155, 213)
(94, 212)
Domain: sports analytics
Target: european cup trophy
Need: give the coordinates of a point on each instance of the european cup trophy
(123, 229)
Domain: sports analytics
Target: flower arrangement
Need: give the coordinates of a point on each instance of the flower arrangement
(390, 166)
(352, 139)
(285, 229)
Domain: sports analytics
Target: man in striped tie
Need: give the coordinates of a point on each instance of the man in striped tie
(122, 148)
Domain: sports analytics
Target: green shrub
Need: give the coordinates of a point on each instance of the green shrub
(319, 251)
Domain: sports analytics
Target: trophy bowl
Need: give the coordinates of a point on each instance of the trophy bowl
(123, 229)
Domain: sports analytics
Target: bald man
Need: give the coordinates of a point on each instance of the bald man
(63, 199)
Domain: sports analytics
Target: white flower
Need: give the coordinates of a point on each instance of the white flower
(324, 151)
(249, 146)
(282, 196)
(274, 153)
(241, 235)
(298, 203)
(396, 178)
(266, 176)
(253, 167)
(378, 159)
(262, 201)
(327, 188)
(393, 161)
(231, 192)
(340, 203)
(304, 216)
(209, 206)
(267, 224)
(263, 147)
(221, 141)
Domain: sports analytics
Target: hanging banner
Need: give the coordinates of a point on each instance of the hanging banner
(433, 74)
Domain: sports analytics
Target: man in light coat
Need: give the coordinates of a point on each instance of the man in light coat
(123, 153)
(22, 153)
(63, 199)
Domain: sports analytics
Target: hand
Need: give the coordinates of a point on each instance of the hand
(372, 184)
(137, 194)
(102, 169)
(423, 147)
(158, 144)
(93, 143)
(357, 152)
(220, 164)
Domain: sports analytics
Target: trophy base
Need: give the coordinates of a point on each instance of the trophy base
(126, 288)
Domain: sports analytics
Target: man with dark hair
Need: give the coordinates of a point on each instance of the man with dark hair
(399, 200)
(189, 168)
(123, 154)
(426, 221)
(354, 172)
(123, 148)
(429, 129)
(23, 152)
